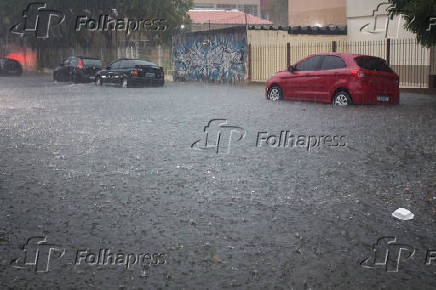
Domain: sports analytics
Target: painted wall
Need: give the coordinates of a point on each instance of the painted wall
(218, 55)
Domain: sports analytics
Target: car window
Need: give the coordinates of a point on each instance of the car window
(91, 62)
(309, 64)
(372, 63)
(74, 61)
(332, 62)
(67, 61)
(115, 65)
(126, 64)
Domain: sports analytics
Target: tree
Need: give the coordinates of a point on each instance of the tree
(418, 15)
(174, 12)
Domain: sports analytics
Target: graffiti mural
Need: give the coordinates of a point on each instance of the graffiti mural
(218, 55)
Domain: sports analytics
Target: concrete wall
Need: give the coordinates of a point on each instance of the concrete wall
(282, 37)
(317, 12)
(219, 55)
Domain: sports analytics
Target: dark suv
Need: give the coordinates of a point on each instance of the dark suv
(77, 69)
(131, 72)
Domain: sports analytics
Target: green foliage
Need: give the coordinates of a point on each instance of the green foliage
(417, 14)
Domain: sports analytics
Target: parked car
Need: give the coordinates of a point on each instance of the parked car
(339, 78)
(77, 69)
(10, 67)
(131, 72)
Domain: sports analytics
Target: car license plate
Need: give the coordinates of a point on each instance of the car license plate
(383, 98)
(150, 75)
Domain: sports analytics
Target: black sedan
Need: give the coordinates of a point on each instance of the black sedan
(131, 72)
(10, 67)
(77, 69)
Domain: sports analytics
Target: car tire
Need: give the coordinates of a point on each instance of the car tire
(124, 83)
(75, 78)
(19, 72)
(98, 81)
(275, 93)
(342, 98)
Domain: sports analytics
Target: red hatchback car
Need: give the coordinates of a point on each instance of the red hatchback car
(339, 78)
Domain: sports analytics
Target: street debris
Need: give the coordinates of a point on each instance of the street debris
(403, 214)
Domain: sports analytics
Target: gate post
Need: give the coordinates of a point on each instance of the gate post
(249, 62)
(388, 51)
(288, 55)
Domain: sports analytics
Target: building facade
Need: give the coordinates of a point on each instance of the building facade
(317, 12)
(248, 6)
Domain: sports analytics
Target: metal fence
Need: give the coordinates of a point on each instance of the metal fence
(44, 56)
(415, 64)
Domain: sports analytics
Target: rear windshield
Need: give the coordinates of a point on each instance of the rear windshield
(372, 63)
(135, 62)
(91, 62)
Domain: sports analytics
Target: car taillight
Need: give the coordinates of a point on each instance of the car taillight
(134, 72)
(80, 64)
(358, 74)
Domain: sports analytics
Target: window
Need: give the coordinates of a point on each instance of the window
(74, 61)
(91, 62)
(250, 9)
(115, 65)
(67, 61)
(309, 64)
(226, 6)
(203, 6)
(372, 63)
(332, 62)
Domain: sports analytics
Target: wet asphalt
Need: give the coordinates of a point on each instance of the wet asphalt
(108, 188)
